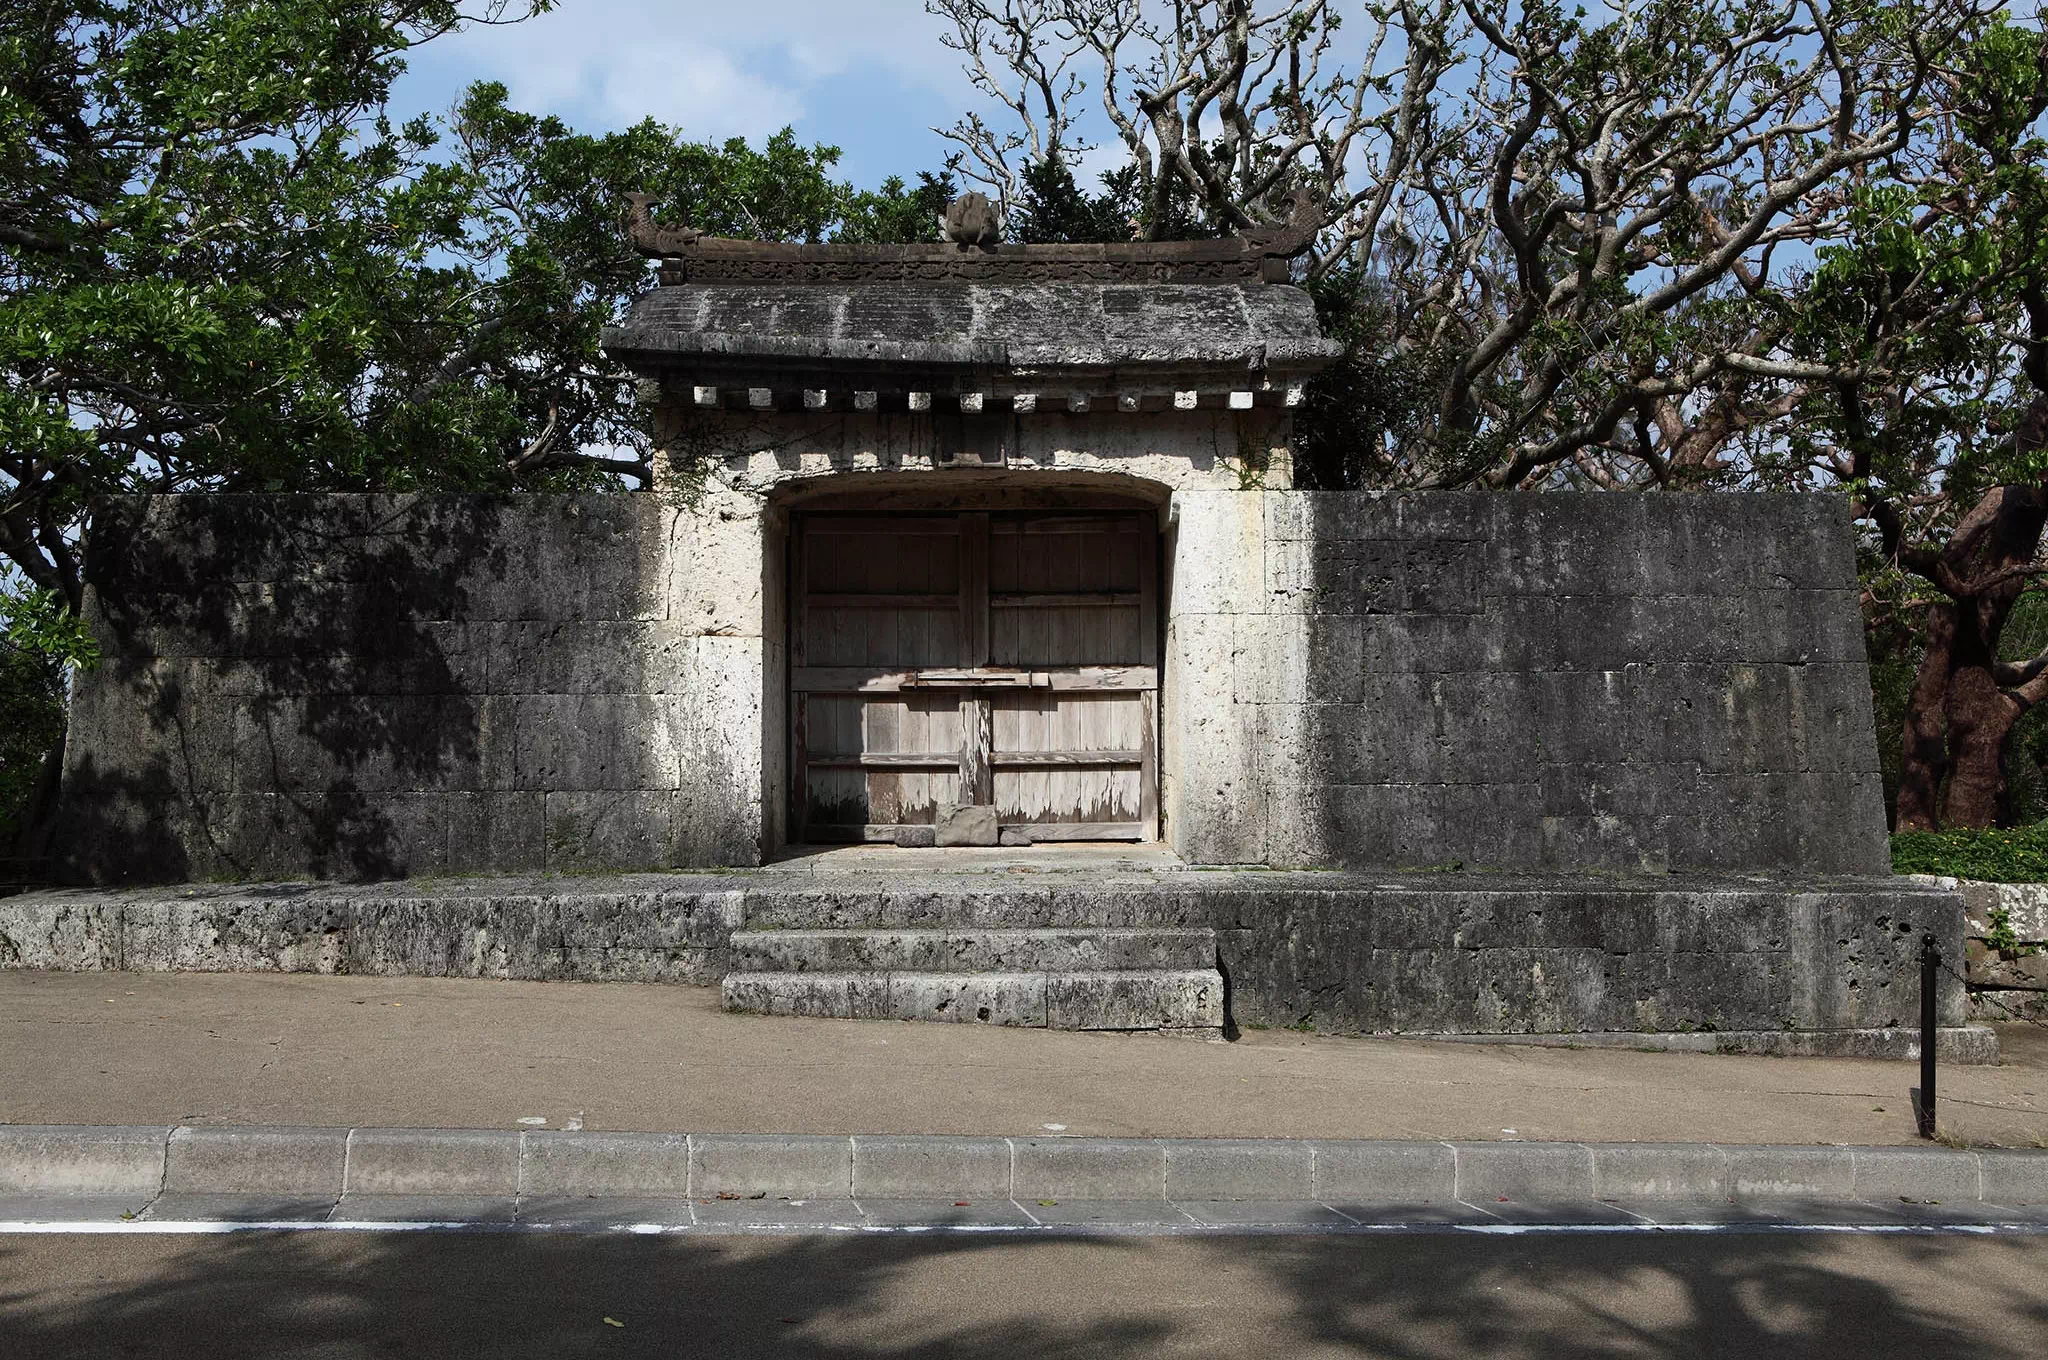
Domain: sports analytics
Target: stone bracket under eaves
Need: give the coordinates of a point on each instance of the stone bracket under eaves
(1068, 398)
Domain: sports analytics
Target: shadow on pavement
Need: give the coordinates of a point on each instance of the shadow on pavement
(864, 1298)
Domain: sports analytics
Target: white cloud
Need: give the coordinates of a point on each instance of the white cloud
(738, 68)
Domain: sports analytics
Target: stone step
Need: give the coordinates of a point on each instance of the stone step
(1182, 999)
(935, 905)
(971, 951)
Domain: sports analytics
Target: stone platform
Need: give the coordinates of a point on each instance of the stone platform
(1109, 941)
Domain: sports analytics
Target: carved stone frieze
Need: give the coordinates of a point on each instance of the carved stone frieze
(690, 257)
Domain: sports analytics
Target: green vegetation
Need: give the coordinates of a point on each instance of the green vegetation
(39, 642)
(2003, 938)
(2015, 855)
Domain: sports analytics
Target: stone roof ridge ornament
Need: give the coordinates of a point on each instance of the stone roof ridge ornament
(971, 220)
(654, 241)
(1285, 240)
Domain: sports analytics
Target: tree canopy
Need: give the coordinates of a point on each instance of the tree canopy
(224, 266)
(1576, 234)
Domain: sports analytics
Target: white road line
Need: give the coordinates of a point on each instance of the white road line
(146, 1228)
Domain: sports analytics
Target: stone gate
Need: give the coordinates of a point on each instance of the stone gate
(1000, 546)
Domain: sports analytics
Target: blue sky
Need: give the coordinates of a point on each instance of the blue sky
(869, 76)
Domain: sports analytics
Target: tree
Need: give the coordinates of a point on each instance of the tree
(40, 642)
(224, 268)
(208, 235)
(1051, 208)
(1933, 316)
(1235, 109)
(896, 214)
(1577, 230)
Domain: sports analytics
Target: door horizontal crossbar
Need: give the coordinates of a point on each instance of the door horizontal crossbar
(878, 680)
(1002, 760)
(1080, 599)
(883, 833)
(884, 601)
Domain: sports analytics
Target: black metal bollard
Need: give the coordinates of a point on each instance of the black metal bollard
(1930, 967)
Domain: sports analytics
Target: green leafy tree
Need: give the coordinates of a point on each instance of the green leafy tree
(898, 214)
(212, 243)
(225, 267)
(1051, 208)
(1931, 318)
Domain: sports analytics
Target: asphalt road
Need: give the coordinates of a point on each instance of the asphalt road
(860, 1298)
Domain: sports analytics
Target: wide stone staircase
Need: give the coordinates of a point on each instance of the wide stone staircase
(969, 958)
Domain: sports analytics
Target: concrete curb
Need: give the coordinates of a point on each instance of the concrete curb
(330, 1164)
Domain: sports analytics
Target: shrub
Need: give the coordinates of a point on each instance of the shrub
(2015, 855)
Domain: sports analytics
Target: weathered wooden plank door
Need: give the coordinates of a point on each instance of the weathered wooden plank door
(1006, 658)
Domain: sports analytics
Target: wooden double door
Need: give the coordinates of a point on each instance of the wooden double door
(1004, 658)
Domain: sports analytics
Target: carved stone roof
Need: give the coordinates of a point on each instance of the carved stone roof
(718, 260)
(976, 336)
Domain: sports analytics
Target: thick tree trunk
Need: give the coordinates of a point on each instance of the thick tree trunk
(1980, 721)
(1958, 718)
(1923, 763)
(1958, 723)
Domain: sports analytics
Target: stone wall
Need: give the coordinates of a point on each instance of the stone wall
(2006, 950)
(1520, 682)
(1490, 955)
(376, 687)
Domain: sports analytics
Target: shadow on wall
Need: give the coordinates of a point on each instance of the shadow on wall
(859, 1298)
(368, 687)
(281, 674)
